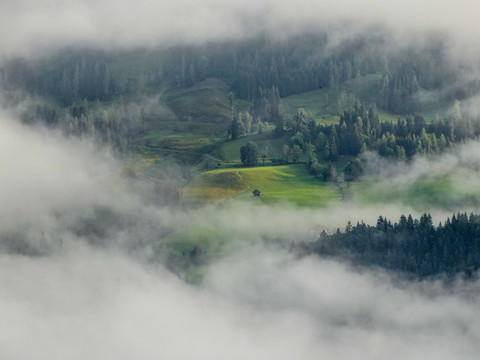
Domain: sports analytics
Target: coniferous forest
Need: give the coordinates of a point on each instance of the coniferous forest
(260, 72)
(415, 247)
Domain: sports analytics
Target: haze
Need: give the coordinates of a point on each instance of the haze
(34, 25)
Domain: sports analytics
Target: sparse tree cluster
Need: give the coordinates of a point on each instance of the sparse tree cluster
(241, 124)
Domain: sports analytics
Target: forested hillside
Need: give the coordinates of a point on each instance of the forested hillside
(251, 66)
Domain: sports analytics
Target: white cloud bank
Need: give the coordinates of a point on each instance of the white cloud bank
(37, 24)
(97, 304)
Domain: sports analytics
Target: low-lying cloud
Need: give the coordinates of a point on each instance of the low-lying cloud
(42, 171)
(45, 24)
(93, 303)
(452, 175)
(55, 190)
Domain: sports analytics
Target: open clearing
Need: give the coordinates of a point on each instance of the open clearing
(289, 183)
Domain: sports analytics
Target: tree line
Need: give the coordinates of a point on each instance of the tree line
(359, 129)
(415, 247)
(262, 70)
(250, 66)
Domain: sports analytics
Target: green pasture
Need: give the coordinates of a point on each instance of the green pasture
(289, 183)
(419, 194)
(449, 191)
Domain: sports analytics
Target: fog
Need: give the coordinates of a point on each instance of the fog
(96, 304)
(46, 24)
(55, 189)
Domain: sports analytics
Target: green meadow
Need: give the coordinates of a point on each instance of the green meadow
(285, 183)
(448, 191)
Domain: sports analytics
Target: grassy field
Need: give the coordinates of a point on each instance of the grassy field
(420, 195)
(448, 191)
(291, 183)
